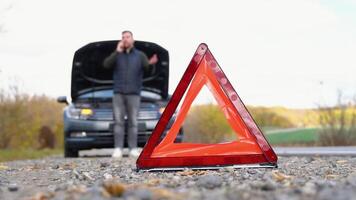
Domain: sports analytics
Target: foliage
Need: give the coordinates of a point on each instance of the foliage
(22, 116)
(338, 123)
(19, 154)
(206, 124)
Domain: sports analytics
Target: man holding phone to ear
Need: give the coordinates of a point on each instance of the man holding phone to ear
(128, 64)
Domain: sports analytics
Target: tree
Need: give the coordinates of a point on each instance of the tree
(338, 123)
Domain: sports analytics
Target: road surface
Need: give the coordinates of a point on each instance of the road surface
(89, 178)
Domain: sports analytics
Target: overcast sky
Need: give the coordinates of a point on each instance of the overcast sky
(275, 52)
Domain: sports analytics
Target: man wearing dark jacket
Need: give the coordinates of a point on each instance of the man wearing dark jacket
(128, 64)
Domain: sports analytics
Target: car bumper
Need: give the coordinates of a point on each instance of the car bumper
(99, 134)
(107, 141)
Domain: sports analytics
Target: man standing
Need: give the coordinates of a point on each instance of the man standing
(128, 64)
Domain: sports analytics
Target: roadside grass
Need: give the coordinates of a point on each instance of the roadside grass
(307, 136)
(22, 154)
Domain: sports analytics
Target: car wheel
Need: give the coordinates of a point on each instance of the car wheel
(179, 138)
(71, 153)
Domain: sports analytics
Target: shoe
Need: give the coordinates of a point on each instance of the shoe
(117, 153)
(135, 152)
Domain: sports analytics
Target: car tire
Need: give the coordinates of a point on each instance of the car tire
(179, 138)
(71, 153)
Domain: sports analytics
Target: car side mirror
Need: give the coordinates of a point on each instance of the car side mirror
(62, 99)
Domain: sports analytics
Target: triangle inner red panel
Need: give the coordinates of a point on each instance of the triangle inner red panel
(251, 147)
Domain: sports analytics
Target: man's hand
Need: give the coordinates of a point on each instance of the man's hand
(153, 60)
(120, 47)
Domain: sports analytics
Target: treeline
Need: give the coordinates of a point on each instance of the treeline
(281, 117)
(336, 124)
(36, 121)
(207, 123)
(29, 121)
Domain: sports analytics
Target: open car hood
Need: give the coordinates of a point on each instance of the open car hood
(88, 73)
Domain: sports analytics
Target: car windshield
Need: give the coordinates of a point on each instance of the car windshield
(109, 94)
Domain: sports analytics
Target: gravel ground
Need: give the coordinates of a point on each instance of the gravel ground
(105, 178)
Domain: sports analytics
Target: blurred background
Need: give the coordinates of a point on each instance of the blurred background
(292, 63)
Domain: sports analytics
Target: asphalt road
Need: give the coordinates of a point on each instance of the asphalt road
(315, 151)
(281, 151)
(95, 178)
(315, 173)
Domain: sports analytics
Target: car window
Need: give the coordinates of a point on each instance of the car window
(99, 93)
(150, 95)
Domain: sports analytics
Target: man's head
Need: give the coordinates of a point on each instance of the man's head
(127, 39)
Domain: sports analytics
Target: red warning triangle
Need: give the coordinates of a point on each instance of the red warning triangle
(250, 149)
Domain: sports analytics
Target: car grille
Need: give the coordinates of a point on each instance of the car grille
(108, 114)
(148, 114)
(103, 115)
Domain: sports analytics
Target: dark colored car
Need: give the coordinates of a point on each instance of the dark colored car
(88, 119)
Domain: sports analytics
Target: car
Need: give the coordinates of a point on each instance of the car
(88, 118)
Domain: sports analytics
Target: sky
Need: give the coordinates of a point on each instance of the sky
(295, 54)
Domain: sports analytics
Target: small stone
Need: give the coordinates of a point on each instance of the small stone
(227, 169)
(41, 196)
(141, 193)
(96, 193)
(279, 176)
(76, 174)
(114, 188)
(265, 185)
(268, 186)
(176, 178)
(308, 159)
(309, 188)
(246, 176)
(13, 188)
(210, 181)
(55, 167)
(52, 188)
(333, 164)
(190, 183)
(153, 182)
(107, 176)
(87, 176)
(104, 164)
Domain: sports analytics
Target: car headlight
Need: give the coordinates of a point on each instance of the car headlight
(86, 112)
(161, 110)
(79, 113)
(78, 134)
